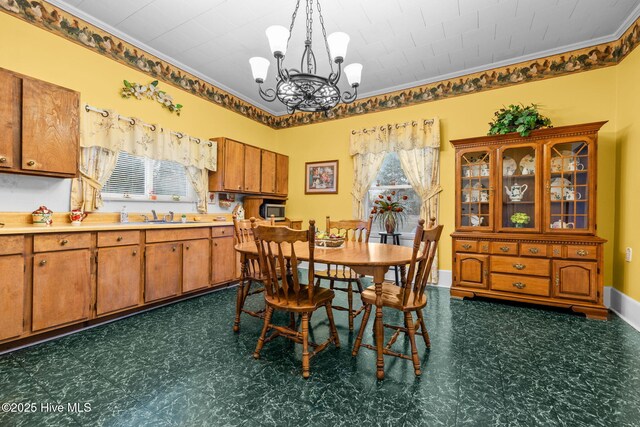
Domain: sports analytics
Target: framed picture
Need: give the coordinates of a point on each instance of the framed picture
(321, 177)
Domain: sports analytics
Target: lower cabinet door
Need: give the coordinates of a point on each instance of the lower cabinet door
(11, 296)
(473, 270)
(195, 264)
(118, 282)
(575, 280)
(163, 271)
(61, 288)
(223, 260)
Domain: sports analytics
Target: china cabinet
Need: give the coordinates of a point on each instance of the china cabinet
(526, 219)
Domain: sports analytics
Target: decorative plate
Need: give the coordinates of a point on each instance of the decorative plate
(558, 186)
(528, 165)
(557, 161)
(509, 166)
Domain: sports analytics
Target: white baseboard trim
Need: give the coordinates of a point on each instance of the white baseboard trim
(445, 279)
(624, 306)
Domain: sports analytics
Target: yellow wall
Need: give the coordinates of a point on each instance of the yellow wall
(627, 172)
(578, 98)
(29, 50)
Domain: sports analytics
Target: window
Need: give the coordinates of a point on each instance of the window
(390, 178)
(140, 178)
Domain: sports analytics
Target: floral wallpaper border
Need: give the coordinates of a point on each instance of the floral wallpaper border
(57, 21)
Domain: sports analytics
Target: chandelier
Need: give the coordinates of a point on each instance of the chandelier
(303, 89)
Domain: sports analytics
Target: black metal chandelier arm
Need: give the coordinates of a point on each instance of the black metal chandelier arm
(334, 77)
(283, 73)
(268, 95)
(348, 97)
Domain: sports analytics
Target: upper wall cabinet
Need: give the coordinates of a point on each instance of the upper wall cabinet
(39, 127)
(247, 169)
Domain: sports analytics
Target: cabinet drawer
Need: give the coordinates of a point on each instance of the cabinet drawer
(61, 242)
(504, 248)
(166, 235)
(533, 249)
(10, 245)
(118, 238)
(221, 231)
(582, 252)
(466, 246)
(520, 284)
(517, 265)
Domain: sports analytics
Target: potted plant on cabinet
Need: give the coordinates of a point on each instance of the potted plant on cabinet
(518, 118)
(520, 219)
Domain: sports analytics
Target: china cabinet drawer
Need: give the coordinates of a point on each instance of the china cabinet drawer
(466, 246)
(221, 231)
(517, 265)
(533, 249)
(169, 235)
(520, 284)
(510, 248)
(118, 238)
(61, 242)
(10, 245)
(582, 252)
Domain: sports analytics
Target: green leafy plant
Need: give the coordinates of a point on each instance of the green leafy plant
(389, 210)
(518, 118)
(520, 218)
(150, 91)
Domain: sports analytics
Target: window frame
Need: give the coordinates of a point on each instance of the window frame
(190, 197)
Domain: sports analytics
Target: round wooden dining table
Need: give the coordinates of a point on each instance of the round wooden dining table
(370, 259)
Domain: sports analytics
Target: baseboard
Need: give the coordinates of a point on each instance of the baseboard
(445, 279)
(624, 306)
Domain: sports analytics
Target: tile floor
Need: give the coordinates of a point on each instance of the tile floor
(490, 364)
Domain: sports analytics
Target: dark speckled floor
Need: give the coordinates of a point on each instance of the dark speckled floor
(490, 364)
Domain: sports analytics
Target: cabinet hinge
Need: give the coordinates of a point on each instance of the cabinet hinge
(598, 269)
(24, 268)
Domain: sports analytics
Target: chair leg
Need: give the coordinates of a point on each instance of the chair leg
(263, 334)
(305, 345)
(292, 320)
(239, 305)
(365, 319)
(425, 334)
(350, 304)
(332, 326)
(412, 338)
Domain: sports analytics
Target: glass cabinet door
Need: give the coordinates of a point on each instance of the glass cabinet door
(518, 169)
(568, 178)
(475, 190)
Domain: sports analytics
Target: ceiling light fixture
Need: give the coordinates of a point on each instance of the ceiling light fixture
(303, 89)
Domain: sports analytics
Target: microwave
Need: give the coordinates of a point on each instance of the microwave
(267, 209)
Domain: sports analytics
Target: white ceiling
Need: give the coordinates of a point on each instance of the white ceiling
(401, 43)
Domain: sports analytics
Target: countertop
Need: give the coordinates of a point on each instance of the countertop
(68, 228)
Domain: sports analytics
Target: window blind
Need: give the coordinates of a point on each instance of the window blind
(128, 176)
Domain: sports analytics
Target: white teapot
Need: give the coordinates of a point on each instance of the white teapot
(516, 192)
(562, 224)
(571, 195)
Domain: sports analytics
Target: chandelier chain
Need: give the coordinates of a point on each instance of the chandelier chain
(324, 34)
(309, 19)
(293, 21)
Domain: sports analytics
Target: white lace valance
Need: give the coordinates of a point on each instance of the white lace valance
(395, 137)
(137, 138)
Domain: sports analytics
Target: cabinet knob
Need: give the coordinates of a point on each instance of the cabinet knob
(215, 244)
(466, 246)
(557, 281)
(504, 248)
(119, 239)
(582, 252)
(187, 247)
(64, 242)
(174, 248)
(134, 253)
(222, 232)
(3, 160)
(43, 262)
(533, 250)
(31, 163)
(519, 266)
(519, 285)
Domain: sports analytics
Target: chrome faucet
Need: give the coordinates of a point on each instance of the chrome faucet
(155, 216)
(170, 216)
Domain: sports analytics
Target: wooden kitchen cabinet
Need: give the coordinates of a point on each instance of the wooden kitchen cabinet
(61, 288)
(11, 296)
(233, 170)
(472, 270)
(575, 280)
(163, 270)
(268, 165)
(118, 278)
(252, 158)
(223, 255)
(282, 175)
(39, 127)
(195, 264)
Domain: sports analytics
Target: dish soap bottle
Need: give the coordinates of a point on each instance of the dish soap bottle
(124, 216)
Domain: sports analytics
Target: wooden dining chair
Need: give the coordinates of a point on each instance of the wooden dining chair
(409, 298)
(357, 230)
(286, 293)
(250, 267)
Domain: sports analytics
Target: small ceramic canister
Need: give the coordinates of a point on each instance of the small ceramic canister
(42, 217)
(76, 216)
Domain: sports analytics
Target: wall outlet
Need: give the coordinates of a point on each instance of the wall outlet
(627, 254)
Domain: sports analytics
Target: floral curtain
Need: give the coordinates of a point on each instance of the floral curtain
(418, 146)
(102, 137)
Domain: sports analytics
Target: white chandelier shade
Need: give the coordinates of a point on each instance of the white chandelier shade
(353, 73)
(278, 37)
(338, 43)
(259, 68)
